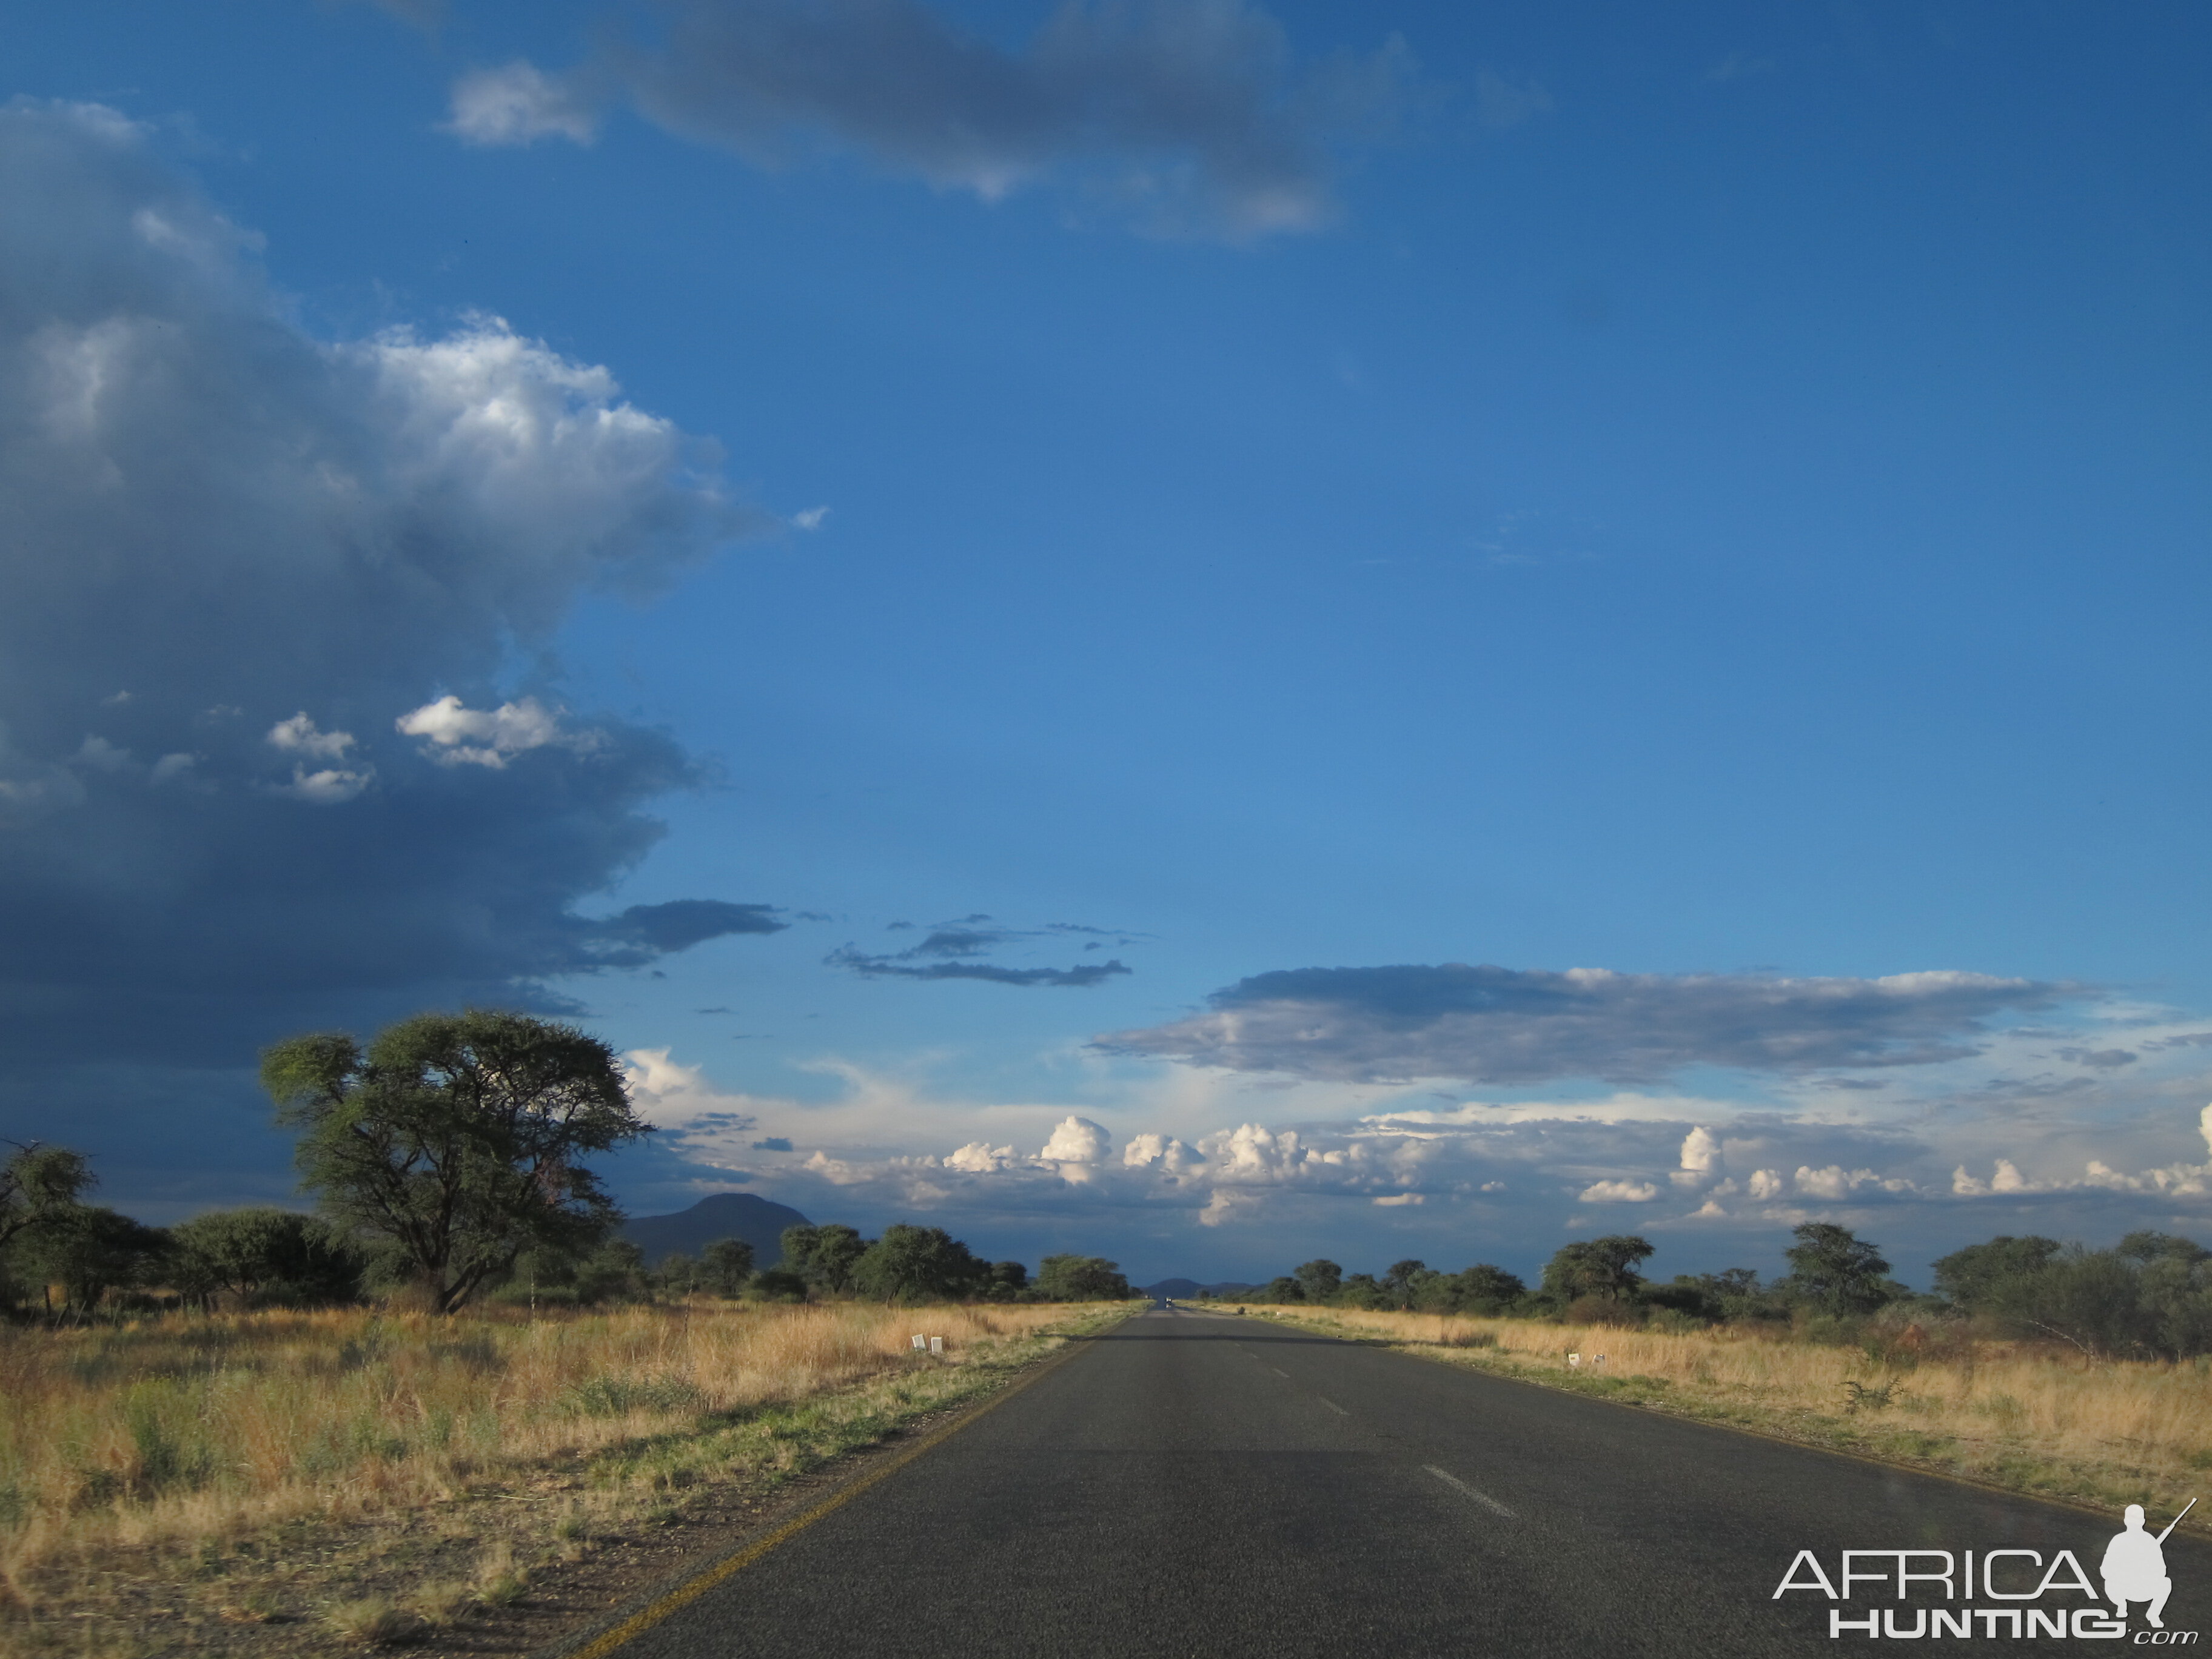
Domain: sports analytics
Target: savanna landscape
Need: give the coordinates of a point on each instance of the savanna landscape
(455, 1406)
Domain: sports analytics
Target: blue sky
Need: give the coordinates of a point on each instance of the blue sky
(1142, 582)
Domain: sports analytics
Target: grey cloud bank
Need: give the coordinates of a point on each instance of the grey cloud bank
(257, 593)
(1501, 1025)
(1188, 114)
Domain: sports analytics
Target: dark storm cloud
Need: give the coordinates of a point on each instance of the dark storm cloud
(235, 561)
(1487, 1025)
(1188, 114)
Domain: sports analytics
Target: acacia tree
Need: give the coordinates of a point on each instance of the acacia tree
(1602, 1267)
(89, 1250)
(1835, 1269)
(39, 1183)
(918, 1264)
(1320, 1279)
(1080, 1278)
(1398, 1283)
(454, 1138)
(1481, 1289)
(824, 1256)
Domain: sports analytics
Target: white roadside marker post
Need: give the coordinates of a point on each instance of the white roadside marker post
(1574, 1362)
(921, 1342)
(937, 1344)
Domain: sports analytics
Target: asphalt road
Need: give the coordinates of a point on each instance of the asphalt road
(1209, 1485)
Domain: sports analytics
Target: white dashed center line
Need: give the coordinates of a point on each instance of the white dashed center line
(1285, 1375)
(1465, 1491)
(1334, 1406)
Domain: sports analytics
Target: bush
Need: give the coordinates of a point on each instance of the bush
(616, 1397)
(613, 1273)
(726, 1264)
(1080, 1278)
(90, 1251)
(264, 1256)
(1602, 1310)
(912, 1264)
(824, 1256)
(2151, 1295)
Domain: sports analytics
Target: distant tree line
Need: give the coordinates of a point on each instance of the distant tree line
(2149, 1297)
(447, 1160)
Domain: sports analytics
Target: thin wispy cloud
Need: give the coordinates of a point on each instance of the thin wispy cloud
(957, 949)
(1500, 103)
(1189, 116)
(899, 967)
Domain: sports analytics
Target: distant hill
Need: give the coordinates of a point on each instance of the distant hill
(1189, 1288)
(757, 1220)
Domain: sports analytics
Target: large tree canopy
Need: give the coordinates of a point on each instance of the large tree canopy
(919, 1264)
(1835, 1268)
(39, 1183)
(454, 1138)
(1604, 1268)
(824, 1256)
(1080, 1278)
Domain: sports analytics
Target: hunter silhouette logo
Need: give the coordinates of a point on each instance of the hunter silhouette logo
(2135, 1566)
(2133, 1570)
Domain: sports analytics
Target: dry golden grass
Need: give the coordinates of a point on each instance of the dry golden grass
(2014, 1414)
(192, 1429)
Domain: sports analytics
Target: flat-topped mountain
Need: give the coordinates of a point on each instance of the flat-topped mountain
(759, 1221)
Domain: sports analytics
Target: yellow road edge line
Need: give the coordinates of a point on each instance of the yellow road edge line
(692, 1588)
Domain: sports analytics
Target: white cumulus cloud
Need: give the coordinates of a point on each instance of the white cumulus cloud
(668, 1094)
(519, 104)
(332, 786)
(299, 736)
(1619, 1192)
(460, 736)
(1077, 1147)
(1165, 1153)
(1701, 1151)
(980, 1158)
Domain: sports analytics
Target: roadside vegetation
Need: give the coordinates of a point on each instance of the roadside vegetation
(383, 1419)
(2149, 1297)
(2042, 1368)
(248, 1457)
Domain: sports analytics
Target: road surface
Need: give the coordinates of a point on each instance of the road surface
(1199, 1485)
